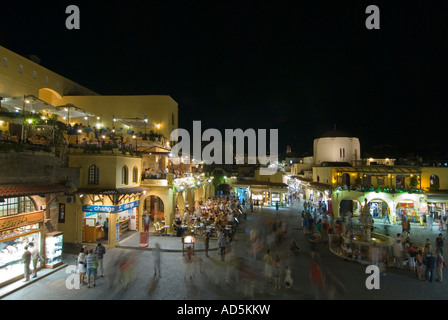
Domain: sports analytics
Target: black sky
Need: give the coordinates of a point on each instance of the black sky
(297, 66)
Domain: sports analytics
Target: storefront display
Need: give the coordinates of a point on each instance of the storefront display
(53, 249)
(16, 232)
(96, 215)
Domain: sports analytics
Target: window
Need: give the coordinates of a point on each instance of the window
(94, 174)
(135, 175)
(172, 119)
(46, 80)
(34, 74)
(124, 175)
(12, 206)
(20, 69)
(433, 181)
(5, 62)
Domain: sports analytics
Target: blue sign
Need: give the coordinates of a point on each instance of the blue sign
(92, 209)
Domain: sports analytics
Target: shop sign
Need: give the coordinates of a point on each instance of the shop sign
(111, 209)
(21, 220)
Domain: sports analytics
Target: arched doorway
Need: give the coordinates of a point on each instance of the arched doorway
(349, 205)
(406, 209)
(155, 207)
(378, 208)
(346, 180)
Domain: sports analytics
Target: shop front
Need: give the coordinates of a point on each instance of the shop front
(16, 232)
(98, 225)
(405, 209)
(260, 197)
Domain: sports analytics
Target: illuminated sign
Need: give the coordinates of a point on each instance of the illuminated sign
(21, 220)
(110, 209)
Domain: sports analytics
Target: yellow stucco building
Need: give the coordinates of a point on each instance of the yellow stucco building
(105, 182)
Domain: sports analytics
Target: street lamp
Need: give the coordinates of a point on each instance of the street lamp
(135, 137)
(145, 121)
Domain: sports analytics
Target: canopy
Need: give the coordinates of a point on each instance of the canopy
(33, 104)
(136, 123)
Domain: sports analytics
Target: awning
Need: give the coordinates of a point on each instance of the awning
(137, 123)
(33, 104)
(320, 186)
(381, 169)
(8, 191)
(437, 198)
(113, 191)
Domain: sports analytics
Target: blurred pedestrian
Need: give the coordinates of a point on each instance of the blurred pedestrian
(439, 265)
(398, 253)
(288, 277)
(207, 242)
(277, 270)
(26, 259)
(268, 266)
(156, 255)
(428, 247)
(223, 242)
(146, 222)
(419, 264)
(316, 278)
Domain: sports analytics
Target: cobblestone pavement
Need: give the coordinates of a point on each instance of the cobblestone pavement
(239, 277)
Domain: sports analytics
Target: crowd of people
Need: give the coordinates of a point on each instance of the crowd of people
(215, 217)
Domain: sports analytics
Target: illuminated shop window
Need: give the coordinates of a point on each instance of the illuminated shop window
(16, 205)
(94, 174)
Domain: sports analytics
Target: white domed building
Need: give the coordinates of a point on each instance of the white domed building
(336, 146)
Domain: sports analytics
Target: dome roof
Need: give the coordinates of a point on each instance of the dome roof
(336, 134)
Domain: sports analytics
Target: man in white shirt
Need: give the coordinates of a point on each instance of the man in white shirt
(35, 257)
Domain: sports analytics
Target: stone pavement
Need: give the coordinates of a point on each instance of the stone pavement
(52, 285)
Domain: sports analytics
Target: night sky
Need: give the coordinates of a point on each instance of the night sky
(302, 67)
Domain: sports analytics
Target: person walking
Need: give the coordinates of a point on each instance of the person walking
(223, 245)
(398, 253)
(100, 251)
(106, 229)
(146, 222)
(419, 264)
(439, 265)
(428, 247)
(430, 264)
(268, 265)
(277, 268)
(26, 259)
(439, 243)
(288, 277)
(90, 267)
(207, 243)
(156, 255)
(36, 257)
(82, 265)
